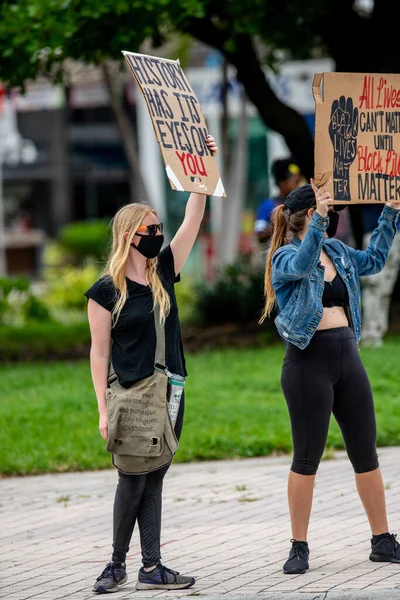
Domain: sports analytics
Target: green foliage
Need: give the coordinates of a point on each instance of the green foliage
(44, 339)
(234, 408)
(66, 286)
(86, 239)
(10, 286)
(55, 256)
(185, 293)
(36, 36)
(84, 244)
(34, 309)
(235, 297)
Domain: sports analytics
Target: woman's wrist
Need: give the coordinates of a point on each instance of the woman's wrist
(102, 405)
(393, 205)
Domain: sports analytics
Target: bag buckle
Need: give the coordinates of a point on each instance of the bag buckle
(163, 368)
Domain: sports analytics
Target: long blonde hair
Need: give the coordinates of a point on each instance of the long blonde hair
(126, 221)
(284, 226)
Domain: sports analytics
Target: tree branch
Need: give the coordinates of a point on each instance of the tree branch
(127, 132)
(275, 114)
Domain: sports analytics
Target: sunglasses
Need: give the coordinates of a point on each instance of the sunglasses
(152, 229)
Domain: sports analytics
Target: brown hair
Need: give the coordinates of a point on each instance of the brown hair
(284, 228)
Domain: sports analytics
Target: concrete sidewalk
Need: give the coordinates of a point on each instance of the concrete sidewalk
(226, 523)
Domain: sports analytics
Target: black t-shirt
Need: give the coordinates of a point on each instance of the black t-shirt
(134, 334)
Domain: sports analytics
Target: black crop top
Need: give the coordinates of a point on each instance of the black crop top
(335, 293)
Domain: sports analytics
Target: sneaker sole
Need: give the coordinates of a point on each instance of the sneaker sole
(383, 558)
(295, 572)
(164, 586)
(105, 591)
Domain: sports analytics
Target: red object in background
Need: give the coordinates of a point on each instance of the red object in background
(246, 243)
(209, 253)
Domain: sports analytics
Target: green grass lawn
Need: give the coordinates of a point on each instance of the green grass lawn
(234, 407)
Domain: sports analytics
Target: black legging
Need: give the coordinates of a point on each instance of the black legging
(140, 497)
(328, 376)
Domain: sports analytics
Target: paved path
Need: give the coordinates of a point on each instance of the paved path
(224, 522)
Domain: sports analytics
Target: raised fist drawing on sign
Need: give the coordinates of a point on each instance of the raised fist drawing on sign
(343, 130)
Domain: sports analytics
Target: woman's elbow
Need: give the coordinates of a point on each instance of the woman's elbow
(99, 352)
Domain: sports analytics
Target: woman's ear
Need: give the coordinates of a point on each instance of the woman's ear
(310, 213)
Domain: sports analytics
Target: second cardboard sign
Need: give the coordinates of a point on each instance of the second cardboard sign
(357, 136)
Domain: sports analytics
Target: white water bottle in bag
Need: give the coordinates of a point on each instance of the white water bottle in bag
(176, 384)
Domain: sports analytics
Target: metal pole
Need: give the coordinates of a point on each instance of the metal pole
(3, 269)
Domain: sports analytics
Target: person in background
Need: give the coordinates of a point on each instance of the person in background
(287, 177)
(377, 289)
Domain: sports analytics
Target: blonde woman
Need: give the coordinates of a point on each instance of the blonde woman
(120, 307)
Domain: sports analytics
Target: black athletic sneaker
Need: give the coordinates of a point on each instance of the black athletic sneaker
(297, 562)
(111, 579)
(161, 578)
(385, 548)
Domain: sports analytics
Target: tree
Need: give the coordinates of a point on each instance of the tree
(137, 186)
(38, 35)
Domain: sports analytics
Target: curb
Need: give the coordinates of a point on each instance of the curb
(386, 594)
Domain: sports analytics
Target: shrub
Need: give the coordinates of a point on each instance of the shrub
(66, 288)
(86, 239)
(44, 340)
(34, 309)
(55, 256)
(9, 288)
(185, 293)
(235, 297)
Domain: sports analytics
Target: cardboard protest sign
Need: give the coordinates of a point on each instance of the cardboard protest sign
(357, 136)
(178, 123)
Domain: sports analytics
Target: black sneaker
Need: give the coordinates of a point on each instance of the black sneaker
(161, 578)
(297, 563)
(111, 579)
(385, 548)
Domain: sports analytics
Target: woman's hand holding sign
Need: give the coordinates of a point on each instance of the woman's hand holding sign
(211, 144)
(322, 198)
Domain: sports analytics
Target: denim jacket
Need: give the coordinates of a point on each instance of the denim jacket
(298, 275)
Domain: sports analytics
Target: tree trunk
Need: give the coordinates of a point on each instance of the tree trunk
(237, 186)
(138, 189)
(228, 211)
(360, 55)
(276, 115)
(225, 119)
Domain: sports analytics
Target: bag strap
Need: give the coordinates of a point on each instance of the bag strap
(160, 347)
(160, 337)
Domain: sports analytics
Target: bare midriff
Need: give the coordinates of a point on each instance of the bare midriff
(332, 317)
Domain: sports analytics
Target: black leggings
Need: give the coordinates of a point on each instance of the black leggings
(328, 376)
(140, 497)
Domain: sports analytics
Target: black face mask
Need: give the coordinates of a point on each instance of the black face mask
(333, 223)
(149, 245)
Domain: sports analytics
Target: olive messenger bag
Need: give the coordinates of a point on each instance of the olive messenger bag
(141, 436)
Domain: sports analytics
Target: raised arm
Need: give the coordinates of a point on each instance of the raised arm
(186, 235)
(100, 329)
(374, 257)
(289, 264)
